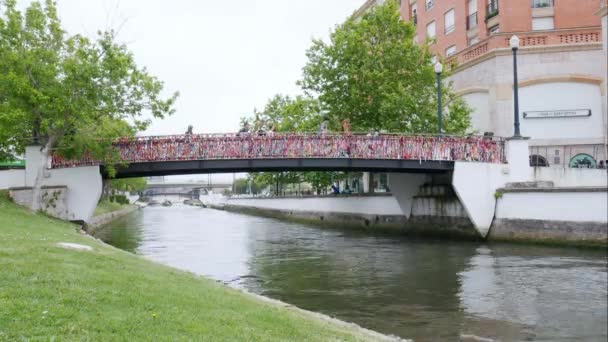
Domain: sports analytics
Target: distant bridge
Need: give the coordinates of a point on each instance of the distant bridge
(192, 189)
(227, 153)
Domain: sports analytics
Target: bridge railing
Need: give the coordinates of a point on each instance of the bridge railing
(290, 146)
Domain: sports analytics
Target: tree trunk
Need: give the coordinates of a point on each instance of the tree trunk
(36, 190)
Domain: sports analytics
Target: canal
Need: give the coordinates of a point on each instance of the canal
(426, 290)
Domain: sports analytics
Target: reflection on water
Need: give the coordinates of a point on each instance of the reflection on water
(420, 289)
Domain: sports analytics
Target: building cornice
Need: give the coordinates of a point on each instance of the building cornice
(472, 90)
(576, 78)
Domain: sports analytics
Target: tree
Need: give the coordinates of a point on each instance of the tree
(373, 73)
(71, 94)
(287, 114)
(129, 184)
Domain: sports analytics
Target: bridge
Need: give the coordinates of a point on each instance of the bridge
(227, 153)
(475, 166)
(193, 189)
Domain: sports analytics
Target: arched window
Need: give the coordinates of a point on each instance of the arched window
(583, 160)
(538, 161)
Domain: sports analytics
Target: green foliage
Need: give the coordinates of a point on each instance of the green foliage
(120, 199)
(373, 73)
(72, 93)
(244, 185)
(320, 181)
(287, 114)
(129, 184)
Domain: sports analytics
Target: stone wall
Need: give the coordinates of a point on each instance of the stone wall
(54, 199)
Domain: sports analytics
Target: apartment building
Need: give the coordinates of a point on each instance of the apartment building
(562, 63)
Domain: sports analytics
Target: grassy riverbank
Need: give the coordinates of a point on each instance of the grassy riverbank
(52, 293)
(106, 206)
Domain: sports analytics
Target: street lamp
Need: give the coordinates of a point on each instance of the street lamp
(514, 42)
(438, 71)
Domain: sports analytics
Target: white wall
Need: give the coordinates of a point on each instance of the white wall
(84, 189)
(562, 96)
(84, 184)
(554, 206)
(568, 177)
(12, 178)
(371, 205)
(480, 117)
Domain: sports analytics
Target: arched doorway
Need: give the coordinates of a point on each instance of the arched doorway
(538, 161)
(583, 160)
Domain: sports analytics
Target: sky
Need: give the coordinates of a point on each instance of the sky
(224, 57)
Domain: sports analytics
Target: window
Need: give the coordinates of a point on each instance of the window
(430, 4)
(473, 40)
(494, 29)
(472, 17)
(492, 9)
(449, 21)
(430, 30)
(556, 157)
(542, 3)
(538, 161)
(583, 160)
(450, 51)
(545, 23)
(414, 15)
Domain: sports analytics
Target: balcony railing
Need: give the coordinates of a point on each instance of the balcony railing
(542, 3)
(492, 9)
(450, 29)
(472, 21)
(528, 39)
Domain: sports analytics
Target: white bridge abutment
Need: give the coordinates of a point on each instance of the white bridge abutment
(83, 184)
(476, 184)
(404, 186)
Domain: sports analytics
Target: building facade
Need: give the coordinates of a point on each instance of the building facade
(562, 62)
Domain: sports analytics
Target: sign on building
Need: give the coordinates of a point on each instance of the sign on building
(548, 114)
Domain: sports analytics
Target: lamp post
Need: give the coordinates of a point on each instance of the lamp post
(438, 71)
(514, 42)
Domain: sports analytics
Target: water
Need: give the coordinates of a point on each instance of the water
(419, 289)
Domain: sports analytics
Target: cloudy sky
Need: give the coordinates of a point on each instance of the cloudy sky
(224, 57)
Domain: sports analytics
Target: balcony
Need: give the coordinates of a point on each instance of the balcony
(472, 21)
(500, 41)
(492, 9)
(542, 3)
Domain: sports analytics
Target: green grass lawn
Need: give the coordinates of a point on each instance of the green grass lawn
(51, 293)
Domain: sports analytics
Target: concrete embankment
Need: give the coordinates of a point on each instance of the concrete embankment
(540, 213)
(435, 212)
(564, 215)
(100, 220)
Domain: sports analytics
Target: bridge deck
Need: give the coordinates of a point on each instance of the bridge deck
(264, 165)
